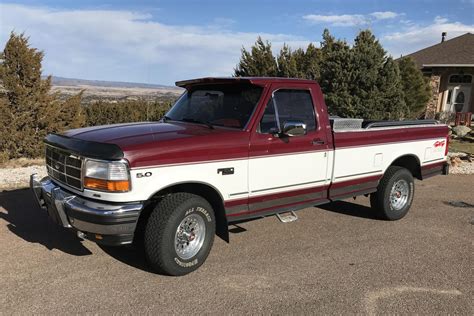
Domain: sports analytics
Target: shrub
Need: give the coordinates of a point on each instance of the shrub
(103, 113)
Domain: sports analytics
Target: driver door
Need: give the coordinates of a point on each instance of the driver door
(287, 171)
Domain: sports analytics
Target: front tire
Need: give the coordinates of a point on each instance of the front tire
(394, 194)
(179, 234)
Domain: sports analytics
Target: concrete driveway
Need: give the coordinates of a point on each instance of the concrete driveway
(335, 259)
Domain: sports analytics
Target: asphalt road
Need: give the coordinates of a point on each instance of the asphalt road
(336, 259)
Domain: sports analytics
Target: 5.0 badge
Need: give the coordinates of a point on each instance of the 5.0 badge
(146, 174)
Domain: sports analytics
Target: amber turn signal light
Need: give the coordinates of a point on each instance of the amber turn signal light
(107, 185)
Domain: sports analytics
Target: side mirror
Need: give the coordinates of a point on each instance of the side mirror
(294, 128)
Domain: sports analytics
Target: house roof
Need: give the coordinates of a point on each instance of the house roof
(456, 52)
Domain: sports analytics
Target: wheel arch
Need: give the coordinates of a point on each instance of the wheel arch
(202, 189)
(410, 162)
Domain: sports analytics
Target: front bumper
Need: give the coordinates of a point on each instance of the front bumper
(104, 223)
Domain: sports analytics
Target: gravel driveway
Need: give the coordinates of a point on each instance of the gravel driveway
(14, 178)
(336, 259)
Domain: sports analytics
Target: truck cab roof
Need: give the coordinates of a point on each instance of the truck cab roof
(261, 81)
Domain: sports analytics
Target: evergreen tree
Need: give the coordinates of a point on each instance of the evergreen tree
(71, 114)
(286, 63)
(357, 82)
(299, 58)
(375, 81)
(335, 72)
(31, 110)
(309, 62)
(416, 88)
(258, 62)
(5, 139)
(368, 58)
(392, 105)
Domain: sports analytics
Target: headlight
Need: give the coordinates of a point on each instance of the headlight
(109, 176)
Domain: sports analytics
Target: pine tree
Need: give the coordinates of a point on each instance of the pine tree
(309, 62)
(5, 138)
(368, 58)
(357, 82)
(375, 81)
(71, 114)
(335, 72)
(258, 62)
(392, 105)
(32, 110)
(415, 87)
(287, 63)
(299, 58)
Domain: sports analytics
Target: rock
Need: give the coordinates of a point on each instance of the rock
(461, 130)
(455, 161)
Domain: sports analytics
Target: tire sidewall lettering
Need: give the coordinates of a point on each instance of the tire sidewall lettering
(201, 210)
(185, 264)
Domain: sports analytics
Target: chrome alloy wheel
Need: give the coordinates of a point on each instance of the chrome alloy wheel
(399, 194)
(189, 236)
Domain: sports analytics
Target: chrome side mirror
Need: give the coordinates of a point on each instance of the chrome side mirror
(294, 128)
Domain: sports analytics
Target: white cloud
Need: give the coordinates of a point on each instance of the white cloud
(130, 46)
(418, 36)
(440, 20)
(350, 19)
(384, 15)
(336, 20)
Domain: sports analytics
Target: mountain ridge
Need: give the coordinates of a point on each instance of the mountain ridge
(64, 81)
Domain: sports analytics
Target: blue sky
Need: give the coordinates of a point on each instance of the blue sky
(165, 41)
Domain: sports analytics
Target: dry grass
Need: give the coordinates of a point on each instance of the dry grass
(22, 162)
(461, 146)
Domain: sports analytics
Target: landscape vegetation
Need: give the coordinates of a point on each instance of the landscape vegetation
(358, 81)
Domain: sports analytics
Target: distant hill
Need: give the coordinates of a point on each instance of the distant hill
(61, 81)
(114, 91)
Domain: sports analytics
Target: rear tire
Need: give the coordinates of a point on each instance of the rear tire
(394, 194)
(179, 234)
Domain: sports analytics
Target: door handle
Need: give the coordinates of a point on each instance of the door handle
(318, 141)
(225, 171)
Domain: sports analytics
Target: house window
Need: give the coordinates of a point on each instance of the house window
(460, 79)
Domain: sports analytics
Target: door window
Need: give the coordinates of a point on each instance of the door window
(460, 97)
(288, 105)
(459, 101)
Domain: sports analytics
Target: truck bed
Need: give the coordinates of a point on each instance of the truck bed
(344, 124)
(364, 150)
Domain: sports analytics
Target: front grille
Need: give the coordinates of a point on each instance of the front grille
(64, 167)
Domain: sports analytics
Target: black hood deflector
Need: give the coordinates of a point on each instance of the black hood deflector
(85, 148)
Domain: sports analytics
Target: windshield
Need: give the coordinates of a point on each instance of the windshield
(228, 105)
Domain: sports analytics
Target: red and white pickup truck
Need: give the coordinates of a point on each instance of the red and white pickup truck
(229, 150)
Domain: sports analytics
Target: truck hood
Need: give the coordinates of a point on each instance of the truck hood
(128, 134)
(156, 143)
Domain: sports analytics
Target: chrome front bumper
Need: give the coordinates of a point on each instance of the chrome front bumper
(104, 223)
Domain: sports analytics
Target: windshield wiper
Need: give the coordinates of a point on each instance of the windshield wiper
(192, 120)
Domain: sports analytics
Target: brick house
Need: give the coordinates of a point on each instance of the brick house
(450, 66)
